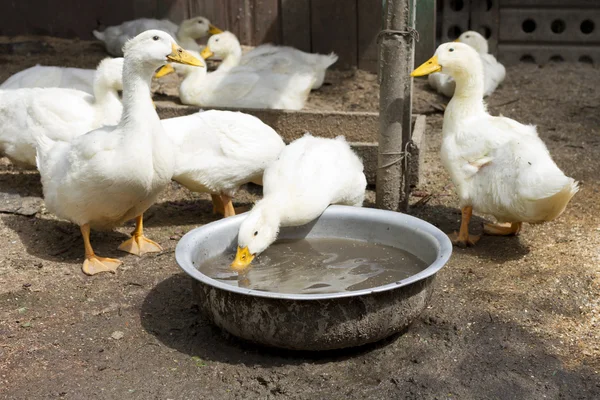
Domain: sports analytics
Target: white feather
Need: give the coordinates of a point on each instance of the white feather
(60, 114)
(310, 174)
(277, 59)
(218, 151)
(499, 166)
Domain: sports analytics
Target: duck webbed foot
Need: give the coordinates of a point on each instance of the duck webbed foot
(139, 244)
(93, 264)
(463, 241)
(509, 229)
(463, 238)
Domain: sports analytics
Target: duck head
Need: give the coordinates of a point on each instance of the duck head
(475, 40)
(256, 233)
(454, 59)
(155, 48)
(221, 45)
(197, 27)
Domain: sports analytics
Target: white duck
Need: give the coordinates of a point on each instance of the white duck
(278, 59)
(493, 71)
(242, 87)
(58, 113)
(114, 37)
(47, 76)
(499, 166)
(310, 174)
(218, 151)
(114, 174)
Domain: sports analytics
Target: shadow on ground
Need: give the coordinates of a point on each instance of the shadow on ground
(444, 353)
(23, 183)
(55, 240)
(170, 314)
(495, 248)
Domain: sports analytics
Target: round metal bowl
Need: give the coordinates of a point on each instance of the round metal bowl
(319, 321)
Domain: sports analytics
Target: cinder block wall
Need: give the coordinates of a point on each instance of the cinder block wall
(527, 30)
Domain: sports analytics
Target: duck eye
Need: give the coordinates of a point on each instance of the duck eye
(155, 38)
(468, 36)
(451, 49)
(256, 233)
(217, 39)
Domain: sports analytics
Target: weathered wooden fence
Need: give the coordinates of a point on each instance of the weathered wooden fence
(348, 27)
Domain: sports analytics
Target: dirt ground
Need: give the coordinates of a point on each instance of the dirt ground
(512, 318)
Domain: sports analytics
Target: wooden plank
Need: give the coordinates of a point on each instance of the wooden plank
(22, 18)
(334, 28)
(355, 126)
(266, 27)
(175, 10)
(425, 24)
(145, 8)
(211, 9)
(369, 24)
(240, 19)
(295, 24)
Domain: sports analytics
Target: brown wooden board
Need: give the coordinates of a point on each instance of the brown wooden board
(73, 18)
(266, 28)
(334, 28)
(240, 19)
(369, 24)
(211, 9)
(295, 24)
(175, 10)
(145, 8)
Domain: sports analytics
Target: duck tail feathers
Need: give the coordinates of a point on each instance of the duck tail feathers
(328, 60)
(98, 35)
(555, 205)
(43, 145)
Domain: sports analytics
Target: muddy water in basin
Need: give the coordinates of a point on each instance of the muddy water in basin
(311, 266)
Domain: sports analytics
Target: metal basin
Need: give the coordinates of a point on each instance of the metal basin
(319, 321)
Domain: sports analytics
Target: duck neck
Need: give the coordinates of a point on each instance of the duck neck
(272, 207)
(105, 94)
(187, 42)
(468, 97)
(192, 84)
(138, 108)
(232, 59)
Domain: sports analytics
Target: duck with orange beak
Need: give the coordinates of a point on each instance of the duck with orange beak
(298, 187)
(493, 71)
(499, 166)
(115, 173)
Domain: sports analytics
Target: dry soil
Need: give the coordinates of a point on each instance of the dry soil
(512, 318)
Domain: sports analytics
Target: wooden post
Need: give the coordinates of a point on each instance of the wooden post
(396, 62)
